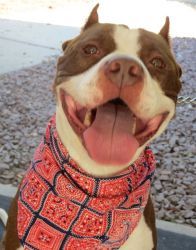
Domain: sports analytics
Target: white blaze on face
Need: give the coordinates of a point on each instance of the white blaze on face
(127, 41)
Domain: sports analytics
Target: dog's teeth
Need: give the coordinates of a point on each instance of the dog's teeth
(87, 119)
(134, 126)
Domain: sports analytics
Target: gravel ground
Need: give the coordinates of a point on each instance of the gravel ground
(26, 104)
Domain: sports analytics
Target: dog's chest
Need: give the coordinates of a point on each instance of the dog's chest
(62, 207)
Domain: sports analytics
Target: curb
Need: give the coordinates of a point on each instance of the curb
(10, 191)
(7, 190)
(176, 228)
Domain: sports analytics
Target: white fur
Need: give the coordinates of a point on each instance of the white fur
(127, 41)
(20, 248)
(140, 239)
(3, 216)
(85, 91)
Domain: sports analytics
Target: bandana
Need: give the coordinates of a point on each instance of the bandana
(62, 207)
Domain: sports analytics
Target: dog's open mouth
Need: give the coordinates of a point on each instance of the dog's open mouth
(111, 133)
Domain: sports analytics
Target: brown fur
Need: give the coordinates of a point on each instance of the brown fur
(11, 241)
(149, 216)
(155, 46)
(74, 61)
(93, 18)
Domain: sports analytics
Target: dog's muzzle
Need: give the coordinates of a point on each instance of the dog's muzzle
(111, 128)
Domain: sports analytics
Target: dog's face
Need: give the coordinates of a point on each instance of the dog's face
(116, 90)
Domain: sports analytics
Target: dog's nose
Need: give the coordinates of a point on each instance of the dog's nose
(124, 71)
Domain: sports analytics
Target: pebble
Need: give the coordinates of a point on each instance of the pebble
(164, 177)
(161, 213)
(189, 214)
(193, 221)
(174, 199)
(9, 175)
(160, 197)
(158, 186)
(26, 106)
(4, 166)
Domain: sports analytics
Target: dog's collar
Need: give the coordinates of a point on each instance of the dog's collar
(61, 206)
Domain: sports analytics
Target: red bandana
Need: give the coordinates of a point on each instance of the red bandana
(62, 207)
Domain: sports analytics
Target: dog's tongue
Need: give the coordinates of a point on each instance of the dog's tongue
(109, 139)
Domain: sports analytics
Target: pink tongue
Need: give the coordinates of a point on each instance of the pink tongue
(109, 139)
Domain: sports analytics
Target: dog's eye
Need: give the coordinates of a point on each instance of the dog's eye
(158, 63)
(90, 50)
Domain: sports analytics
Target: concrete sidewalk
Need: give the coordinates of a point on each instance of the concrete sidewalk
(24, 44)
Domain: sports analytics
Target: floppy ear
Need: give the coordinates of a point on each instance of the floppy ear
(164, 32)
(93, 18)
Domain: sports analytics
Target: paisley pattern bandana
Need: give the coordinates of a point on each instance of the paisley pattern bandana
(62, 207)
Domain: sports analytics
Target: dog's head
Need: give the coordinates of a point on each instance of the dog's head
(116, 91)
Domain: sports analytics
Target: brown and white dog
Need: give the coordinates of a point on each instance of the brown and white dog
(116, 91)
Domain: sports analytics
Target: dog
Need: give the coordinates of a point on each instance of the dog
(89, 182)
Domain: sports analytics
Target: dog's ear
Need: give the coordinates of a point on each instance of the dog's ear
(164, 32)
(64, 45)
(93, 18)
(179, 71)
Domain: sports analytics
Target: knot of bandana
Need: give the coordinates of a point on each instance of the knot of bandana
(62, 207)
